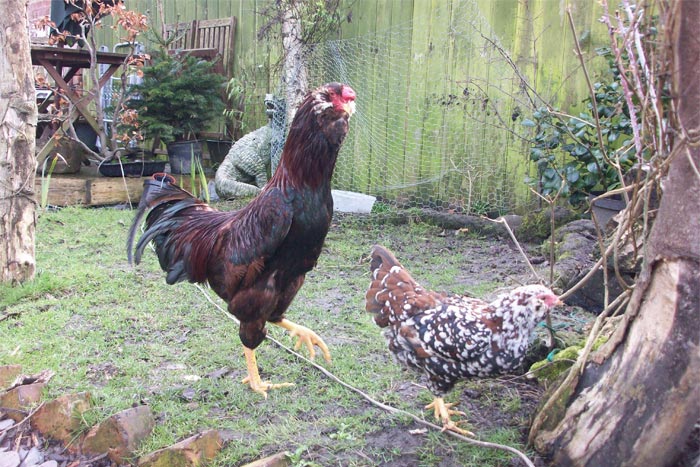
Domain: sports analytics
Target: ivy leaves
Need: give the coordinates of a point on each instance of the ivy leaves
(568, 153)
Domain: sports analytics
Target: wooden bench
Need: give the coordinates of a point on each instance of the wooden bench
(212, 39)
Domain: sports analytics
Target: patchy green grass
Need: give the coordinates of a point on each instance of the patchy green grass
(128, 338)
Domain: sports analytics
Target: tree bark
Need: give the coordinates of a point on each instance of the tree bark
(295, 74)
(18, 120)
(637, 399)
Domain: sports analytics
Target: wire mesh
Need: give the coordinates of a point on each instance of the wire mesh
(438, 115)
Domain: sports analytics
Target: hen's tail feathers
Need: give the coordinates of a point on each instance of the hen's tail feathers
(158, 192)
(392, 290)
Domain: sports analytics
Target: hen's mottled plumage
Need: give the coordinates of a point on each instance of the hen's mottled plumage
(451, 337)
(256, 258)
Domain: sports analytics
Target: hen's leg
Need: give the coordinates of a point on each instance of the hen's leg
(253, 378)
(443, 412)
(305, 336)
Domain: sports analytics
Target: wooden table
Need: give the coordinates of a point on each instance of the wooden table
(62, 64)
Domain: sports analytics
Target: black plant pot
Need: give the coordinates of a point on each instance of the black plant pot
(218, 148)
(181, 153)
(132, 169)
(605, 209)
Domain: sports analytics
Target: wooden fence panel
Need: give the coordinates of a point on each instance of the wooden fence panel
(436, 95)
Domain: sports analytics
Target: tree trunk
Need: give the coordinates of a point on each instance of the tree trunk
(295, 74)
(18, 119)
(637, 399)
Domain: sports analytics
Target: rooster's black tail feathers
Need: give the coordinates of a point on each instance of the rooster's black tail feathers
(158, 193)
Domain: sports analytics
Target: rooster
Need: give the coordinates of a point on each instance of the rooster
(256, 258)
(451, 337)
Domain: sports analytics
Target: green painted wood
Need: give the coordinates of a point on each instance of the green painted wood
(436, 100)
(354, 168)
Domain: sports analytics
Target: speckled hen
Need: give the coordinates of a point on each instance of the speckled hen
(451, 337)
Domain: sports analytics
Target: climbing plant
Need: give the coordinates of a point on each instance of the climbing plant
(568, 151)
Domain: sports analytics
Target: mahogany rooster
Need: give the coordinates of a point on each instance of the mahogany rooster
(451, 337)
(256, 258)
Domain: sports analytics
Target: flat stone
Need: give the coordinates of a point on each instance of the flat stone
(60, 418)
(5, 424)
(190, 452)
(577, 251)
(33, 457)
(281, 459)
(121, 434)
(21, 398)
(9, 459)
(51, 463)
(8, 373)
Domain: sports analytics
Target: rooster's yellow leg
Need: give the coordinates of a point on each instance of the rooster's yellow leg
(443, 412)
(305, 336)
(253, 378)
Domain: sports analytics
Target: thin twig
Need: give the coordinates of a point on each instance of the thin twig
(20, 423)
(370, 399)
(503, 221)
(598, 324)
(604, 258)
(88, 462)
(10, 314)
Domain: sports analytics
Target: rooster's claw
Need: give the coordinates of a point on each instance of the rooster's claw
(307, 337)
(261, 387)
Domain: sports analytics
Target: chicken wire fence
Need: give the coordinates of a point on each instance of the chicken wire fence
(438, 115)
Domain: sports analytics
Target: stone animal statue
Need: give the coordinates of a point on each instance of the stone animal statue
(245, 168)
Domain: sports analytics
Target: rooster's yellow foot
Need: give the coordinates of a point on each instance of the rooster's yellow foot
(307, 337)
(253, 378)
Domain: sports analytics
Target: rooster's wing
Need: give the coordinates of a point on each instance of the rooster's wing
(192, 239)
(261, 227)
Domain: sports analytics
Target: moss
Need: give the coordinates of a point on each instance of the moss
(600, 341)
(547, 371)
(536, 226)
(561, 256)
(557, 409)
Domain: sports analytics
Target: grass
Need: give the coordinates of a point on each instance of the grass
(128, 338)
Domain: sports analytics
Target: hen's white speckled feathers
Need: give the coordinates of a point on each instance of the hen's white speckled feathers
(450, 337)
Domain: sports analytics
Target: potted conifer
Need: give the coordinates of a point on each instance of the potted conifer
(177, 99)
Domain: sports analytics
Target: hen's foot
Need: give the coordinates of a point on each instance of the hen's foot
(307, 337)
(253, 378)
(443, 412)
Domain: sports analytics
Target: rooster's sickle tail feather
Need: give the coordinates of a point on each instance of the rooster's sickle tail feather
(157, 190)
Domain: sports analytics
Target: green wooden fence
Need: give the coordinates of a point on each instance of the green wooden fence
(439, 105)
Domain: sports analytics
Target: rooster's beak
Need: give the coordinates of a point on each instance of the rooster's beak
(349, 107)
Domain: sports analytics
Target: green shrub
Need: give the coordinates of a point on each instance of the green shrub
(178, 97)
(585, 168)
